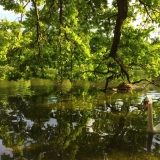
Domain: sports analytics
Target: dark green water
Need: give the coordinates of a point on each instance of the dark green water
(39, 121)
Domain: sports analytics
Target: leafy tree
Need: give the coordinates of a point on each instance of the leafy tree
(80, 39)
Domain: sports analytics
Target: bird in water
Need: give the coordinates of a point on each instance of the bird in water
(151, 128)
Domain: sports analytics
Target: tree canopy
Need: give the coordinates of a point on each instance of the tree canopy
(78, 39)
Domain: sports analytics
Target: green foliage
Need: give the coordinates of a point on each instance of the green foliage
(75, 38)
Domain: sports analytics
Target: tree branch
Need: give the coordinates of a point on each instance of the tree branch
(149, 82)
(145, 6)
(121, 16)
(37, 25)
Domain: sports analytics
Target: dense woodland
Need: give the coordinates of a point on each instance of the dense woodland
(80, 39)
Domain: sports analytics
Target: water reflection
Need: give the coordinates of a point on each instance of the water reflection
(82, 124)
(149, 141)
(153, 142)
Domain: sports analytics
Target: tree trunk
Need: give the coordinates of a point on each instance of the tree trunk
(121, 16)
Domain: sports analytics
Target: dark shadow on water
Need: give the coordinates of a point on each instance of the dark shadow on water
(149, 141)
(119, 133)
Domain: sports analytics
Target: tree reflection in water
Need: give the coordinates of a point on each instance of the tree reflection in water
(73, 126)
